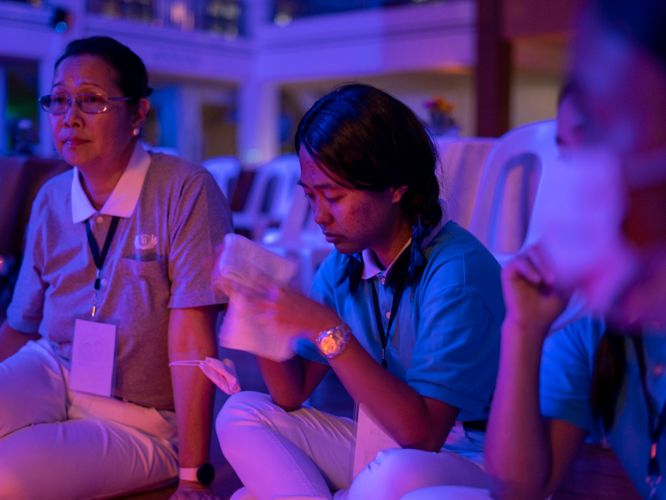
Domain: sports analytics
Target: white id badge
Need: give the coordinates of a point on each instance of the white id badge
(93, 357)
(370, 439)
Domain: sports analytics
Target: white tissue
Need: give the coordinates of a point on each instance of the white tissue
(255, 268)
(221, 373)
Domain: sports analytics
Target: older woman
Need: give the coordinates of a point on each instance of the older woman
(114, 285)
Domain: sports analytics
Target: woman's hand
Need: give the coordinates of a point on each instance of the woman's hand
(290, 313)
(283, 310)
(533, 299)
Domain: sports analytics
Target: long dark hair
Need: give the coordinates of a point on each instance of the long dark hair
(641, 20)
(369, 140)
(608, 374)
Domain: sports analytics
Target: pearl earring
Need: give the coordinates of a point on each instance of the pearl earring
(135, 131)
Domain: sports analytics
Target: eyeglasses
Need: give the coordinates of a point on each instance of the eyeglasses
(88, 103)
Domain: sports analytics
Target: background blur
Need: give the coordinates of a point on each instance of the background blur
(233, 77)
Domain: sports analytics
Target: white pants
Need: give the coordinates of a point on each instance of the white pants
(305, 454)
(448, 493)
(58, 444)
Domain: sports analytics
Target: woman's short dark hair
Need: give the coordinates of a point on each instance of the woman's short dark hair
(369, 140)
(640, 20)
(132, 74)
(366, 139)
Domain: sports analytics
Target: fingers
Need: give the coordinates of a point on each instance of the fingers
(533, 265)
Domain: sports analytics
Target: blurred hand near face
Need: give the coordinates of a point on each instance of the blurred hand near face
(533, 299)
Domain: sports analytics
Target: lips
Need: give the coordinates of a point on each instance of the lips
(332, 238)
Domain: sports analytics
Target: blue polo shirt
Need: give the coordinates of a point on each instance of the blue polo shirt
(445, 339)
(566, 373)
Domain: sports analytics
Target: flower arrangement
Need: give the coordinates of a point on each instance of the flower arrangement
(441, 119)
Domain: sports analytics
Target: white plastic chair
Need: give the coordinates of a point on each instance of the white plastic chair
(507, 215)
(509, 187)
(225, 170)
(301, 239)
(459, 174)
(270, 197)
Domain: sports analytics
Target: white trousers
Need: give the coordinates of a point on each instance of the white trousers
(58, 444)
(306, 454)
(448, 493)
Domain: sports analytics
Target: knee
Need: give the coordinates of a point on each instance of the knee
(389, 475)
(12, 482)
(240, 410)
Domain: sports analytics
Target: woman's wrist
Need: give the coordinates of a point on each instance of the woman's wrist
(527, 331)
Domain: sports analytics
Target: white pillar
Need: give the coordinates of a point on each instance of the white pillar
(190, 124)
(45, 148)
(258, 122)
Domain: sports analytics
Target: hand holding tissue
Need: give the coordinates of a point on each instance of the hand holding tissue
(249, 274)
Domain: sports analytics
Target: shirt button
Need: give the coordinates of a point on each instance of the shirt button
(383, 281)
(658, 369)
(388, 315)
(99, 219)
(104, 282)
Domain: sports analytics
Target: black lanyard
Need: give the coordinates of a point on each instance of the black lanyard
(384, 336)
(654, 471)
(98, 257)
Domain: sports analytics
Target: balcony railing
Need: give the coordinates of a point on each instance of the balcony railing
(222, 17)
(286, 10)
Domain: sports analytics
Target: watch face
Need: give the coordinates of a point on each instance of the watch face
(328, 344)
(206, 474)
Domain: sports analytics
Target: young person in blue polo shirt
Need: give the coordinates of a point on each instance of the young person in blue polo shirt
(406, 311)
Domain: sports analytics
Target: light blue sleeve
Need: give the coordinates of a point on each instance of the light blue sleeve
(455, 357)
(567, 362)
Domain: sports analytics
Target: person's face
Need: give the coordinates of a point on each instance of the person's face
(570, 126)
(620, 88)
(92, 141)
(351, 219)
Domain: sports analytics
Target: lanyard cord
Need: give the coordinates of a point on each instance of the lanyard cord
(654, 472)
(384, 336)
(98, 258)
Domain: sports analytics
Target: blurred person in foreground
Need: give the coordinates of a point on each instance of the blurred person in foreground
(593, 376)
(113, 286)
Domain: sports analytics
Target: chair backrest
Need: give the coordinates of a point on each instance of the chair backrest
(273, 187)
(459, 174)
(225, 170)
(509, 186)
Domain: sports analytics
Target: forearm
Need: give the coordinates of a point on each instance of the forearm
(12, 340)
(285, 381)
(191, 336)
(406, 415)
(517, 447)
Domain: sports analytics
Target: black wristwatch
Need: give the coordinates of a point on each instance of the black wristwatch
(203, 474)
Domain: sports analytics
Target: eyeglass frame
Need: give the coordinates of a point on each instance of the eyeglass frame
(72, 99)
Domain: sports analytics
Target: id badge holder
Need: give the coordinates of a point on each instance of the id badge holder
(93, 362)
(371, 438)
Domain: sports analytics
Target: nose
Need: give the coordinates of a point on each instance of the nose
(322, 216)
(73, 116)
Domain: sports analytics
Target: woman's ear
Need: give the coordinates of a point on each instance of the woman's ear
(398, 193)
(141, 113)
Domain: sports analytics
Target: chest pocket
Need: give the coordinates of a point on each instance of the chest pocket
(145, 286)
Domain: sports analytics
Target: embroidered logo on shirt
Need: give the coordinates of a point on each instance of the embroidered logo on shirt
(145, 241)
